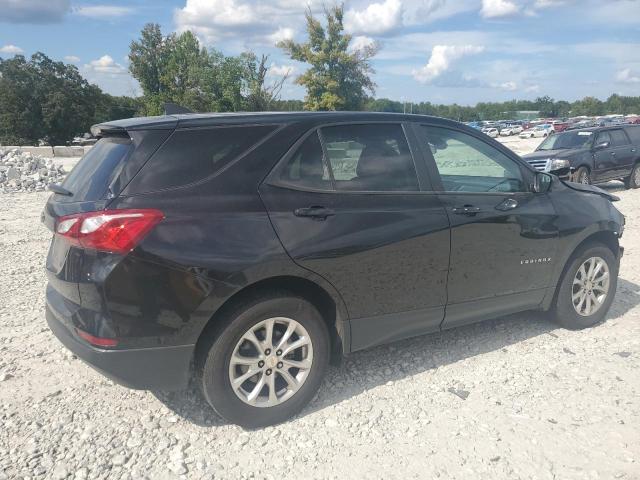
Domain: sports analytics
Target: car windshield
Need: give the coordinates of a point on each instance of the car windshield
(567, 140)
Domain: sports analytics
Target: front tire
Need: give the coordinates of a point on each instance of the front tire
(266, 362)
(587, 288)
(633, 180)
(582, 176)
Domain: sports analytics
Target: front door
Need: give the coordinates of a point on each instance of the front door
(348, 204)
(503, 237)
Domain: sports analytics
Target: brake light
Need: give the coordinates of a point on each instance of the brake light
(116, 231)
(97, 341)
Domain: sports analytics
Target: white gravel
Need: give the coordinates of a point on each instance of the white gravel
(509, 398)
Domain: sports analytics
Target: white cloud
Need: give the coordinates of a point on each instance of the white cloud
(33, 11)
(102, 11)
(442, 57)
(283, 33)
(361, 42)
(72, 59)
(376, 18)
(11, 49)
(211, 19)
(508, 86)
(106, 65)
(281, 70)
(627, 76)
(498, 8)
(532, 88)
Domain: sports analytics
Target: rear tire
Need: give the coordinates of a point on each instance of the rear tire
(251, 403)
(633, 180)
(584, 297)
(583, 176)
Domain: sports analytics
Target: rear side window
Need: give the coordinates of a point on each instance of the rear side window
(192, 155)
(618, 138)
(306, 167)
(634, 134)
(91, 177)
(373, 158)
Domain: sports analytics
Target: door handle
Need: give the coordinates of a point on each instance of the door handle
(316, 212)
(469, 210)
(613, 154)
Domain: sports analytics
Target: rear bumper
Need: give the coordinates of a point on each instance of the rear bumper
(157, 368)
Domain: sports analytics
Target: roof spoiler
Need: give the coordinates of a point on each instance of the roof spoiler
(174, 109)
(106, 130)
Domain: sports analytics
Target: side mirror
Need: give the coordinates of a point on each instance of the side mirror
(542, 182)
(601, 146)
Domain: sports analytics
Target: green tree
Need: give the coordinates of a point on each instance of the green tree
(44, 100)
(147, 61)
(338, 78)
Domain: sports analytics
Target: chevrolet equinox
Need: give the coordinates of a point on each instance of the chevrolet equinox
(248, 251)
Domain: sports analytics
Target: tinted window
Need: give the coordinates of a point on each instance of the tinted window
(618, 138)
(192, 155)
(306, 167)
(467, 164)
(567, 140)
(603, 137)
(370, 158)
(634, 134)
(91, 177)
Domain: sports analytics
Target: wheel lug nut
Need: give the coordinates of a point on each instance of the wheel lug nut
(267, 351)
(280, 364)
(260, 364)
(279, 352)
(268, 372)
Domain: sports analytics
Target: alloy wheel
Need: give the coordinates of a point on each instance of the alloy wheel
(590, 286)
(271, 362)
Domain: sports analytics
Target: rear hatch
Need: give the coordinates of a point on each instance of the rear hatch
(100, 176)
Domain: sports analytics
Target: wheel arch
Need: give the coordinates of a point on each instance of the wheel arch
(331, 309)
(603, 237)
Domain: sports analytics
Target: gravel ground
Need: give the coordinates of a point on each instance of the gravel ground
(509, 398)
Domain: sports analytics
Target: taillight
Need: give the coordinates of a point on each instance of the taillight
(97, 341)
(116, 231)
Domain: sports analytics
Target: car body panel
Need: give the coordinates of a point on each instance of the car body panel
(383, 259)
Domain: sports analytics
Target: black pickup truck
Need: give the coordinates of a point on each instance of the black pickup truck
(591, 155)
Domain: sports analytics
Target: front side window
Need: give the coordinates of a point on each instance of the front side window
(603, 137)
(467, 164)
(372, 158)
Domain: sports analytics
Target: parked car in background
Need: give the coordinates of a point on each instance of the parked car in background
(592, 155)
(560, 126)
(246, 252)
(543, 130)
(492, 132)
(510, 130)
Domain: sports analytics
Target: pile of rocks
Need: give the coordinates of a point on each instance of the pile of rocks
(25, 172)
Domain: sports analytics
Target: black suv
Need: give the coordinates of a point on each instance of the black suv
(248, 251)
(592, 155)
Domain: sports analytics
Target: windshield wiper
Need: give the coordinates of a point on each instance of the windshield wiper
(56, 188)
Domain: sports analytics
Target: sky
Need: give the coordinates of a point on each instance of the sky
(442, 51)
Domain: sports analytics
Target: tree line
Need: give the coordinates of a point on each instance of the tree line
(42, 100)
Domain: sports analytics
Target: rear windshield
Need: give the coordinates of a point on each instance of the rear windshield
(195, 154)
(91, 177)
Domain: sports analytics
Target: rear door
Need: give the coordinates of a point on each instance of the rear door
(622, 153)
(503, 236)
(349, 203)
